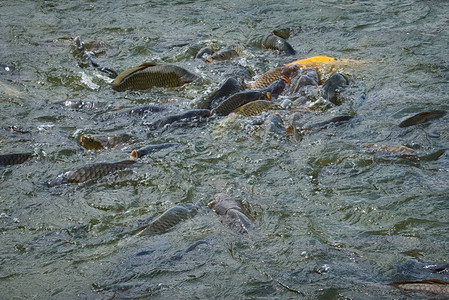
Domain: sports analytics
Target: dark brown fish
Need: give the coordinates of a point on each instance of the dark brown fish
(222, 55)
(435, 286)
(134, 112)
(333, 86)
(100, 142)
(235, 101)
(149, 75)
(229, 87)
(209, 50)
(255, 107)
(14, 158)
(90, 171)
(304, 77)
(422, 117)
(169, 219)
(275, 42)
(150, 149)
(230, 210)
(190, 115)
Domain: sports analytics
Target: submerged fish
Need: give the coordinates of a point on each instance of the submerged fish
(304, 77)
(209, 50)
(134, 112)
(100, 142)
(254, 108)
(275, 42)
(90, 171)
(188, 115)
(148, 75)
(150, 149)
(428, 285)
(14, 158)
(422, 117)
(169, 219)
(333, 86)
(230, 210)
(235, 101)
(222, 55)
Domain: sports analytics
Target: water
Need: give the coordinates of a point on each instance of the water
(335, 219)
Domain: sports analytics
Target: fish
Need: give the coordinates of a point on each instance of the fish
(277, 87)
(188, 115)
(222, 55)
(272, 75)
(107, 70)
(90, 171)
(150, 149)
(230, 210)
(134, 112)
(315, 61)
(209, 50)
(304, 77)
(255, 107)
(422, 117)
(333, 86)
(14, 158)
(149, 74)
(169, 219)
(229, 87)
(435, 286)
(320, 125)
(241, 98)
(100, 142)
(275, 42)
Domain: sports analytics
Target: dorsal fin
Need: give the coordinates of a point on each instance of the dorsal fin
(120, 77)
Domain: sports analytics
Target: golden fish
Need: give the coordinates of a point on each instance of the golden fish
(223, 54)
(255, 107)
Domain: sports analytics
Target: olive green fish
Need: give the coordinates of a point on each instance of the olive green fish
(169, 219)
(90, 171)
(149, 75)
(14, 158)
(255, 107)
(235, 101)
(422, 117)
(435, 286)
(231, 213)
(222, 55)
(100, 142)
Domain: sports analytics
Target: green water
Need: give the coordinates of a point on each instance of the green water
(334, 219)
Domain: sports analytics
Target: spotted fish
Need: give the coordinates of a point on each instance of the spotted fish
(14, 158)
(255, 107)
(148, 75)
(272, 75)
(231, 213)
(90, 171)
(169, 219)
